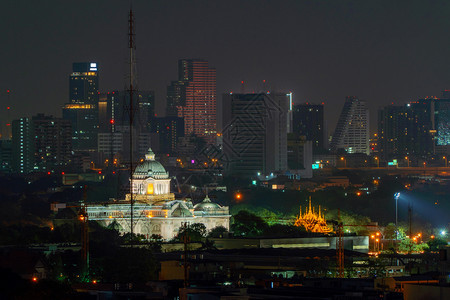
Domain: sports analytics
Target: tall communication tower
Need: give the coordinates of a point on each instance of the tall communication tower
(132, 87)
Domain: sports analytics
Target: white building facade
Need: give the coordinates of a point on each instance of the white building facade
(155, 210)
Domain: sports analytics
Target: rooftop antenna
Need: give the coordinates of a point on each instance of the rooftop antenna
(242, 87)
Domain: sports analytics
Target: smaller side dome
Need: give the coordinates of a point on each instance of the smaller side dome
(181, 211)
(206, 204)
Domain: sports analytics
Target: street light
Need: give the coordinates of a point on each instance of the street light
(396, 196)
(345, 161)
(378, 161)
(445, 158)
(407, 160)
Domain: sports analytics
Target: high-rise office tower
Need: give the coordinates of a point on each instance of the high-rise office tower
(175, 97)
(114, 129)
(115, 106)
(308, 121)
(193, 97)
(395, 135)
(82, 109)
(254, 128)
(5, 156)
(169, 130)
(53, 142)
(442, 122)
(352, 129)
(23, 146)
(41, 144)
(418, 128)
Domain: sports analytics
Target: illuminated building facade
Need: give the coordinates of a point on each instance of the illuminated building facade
(352, 129)
(193, 97)
(82, 109)
(308, 121)
(156, 211)
(254, 132)
(23, 150)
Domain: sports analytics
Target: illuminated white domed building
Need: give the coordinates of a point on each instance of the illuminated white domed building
(155, 210)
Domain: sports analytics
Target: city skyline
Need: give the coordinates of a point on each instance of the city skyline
(382, 49)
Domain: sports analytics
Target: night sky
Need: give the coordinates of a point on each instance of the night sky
(380, 51)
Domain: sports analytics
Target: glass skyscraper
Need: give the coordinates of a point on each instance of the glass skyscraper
(82, 109)
(193, 98)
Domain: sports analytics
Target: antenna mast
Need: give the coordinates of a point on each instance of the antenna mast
(131, 90)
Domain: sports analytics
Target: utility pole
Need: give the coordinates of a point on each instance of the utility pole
(410, 227)
(340, 247)
(186, 240)
(84, 234)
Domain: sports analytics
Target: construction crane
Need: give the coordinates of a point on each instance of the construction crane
(83, 217)
(339, 225)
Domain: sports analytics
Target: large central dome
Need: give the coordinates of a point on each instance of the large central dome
(150, 168)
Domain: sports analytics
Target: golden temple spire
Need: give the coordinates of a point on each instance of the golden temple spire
(312, 221)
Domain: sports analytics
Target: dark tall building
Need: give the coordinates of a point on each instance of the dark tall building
(422, 126)
(254, 128)
(169, 130)
(114, 107)
(53, 142)
(416, 128)
(42, 143)
(5, 156)
(308, 121)
(394, 132)
(352, 129)
(176, 97)
(82, 110)
(114, 120)
(193, 98)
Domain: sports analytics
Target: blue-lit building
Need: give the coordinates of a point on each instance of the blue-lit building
(442, 120)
